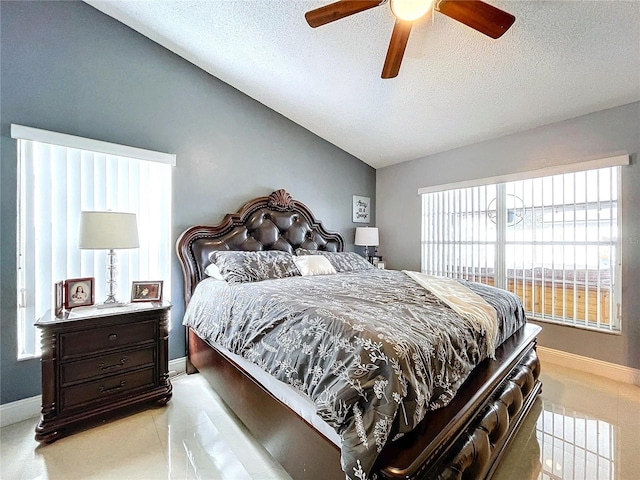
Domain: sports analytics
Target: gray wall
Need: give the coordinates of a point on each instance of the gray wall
(67, 67)
(597, 135)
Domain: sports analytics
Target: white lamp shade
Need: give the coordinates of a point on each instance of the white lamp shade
(108, 230)
(367, 236)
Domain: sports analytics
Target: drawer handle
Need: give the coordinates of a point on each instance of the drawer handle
(113, 336)
(109, 390)
(104, 367)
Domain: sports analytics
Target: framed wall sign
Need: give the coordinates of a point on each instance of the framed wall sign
(361, 209)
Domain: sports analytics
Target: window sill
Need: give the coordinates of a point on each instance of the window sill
(27, 357)
(617, 332)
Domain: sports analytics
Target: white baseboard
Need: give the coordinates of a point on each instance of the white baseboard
(20, 410)
(26, 408)
(616, 372)
(177, 366)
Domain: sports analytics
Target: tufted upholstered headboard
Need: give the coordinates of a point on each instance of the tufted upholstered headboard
(276, 222)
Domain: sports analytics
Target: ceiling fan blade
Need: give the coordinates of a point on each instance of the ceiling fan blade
(478, 15)
(340, 9)
(397, 45)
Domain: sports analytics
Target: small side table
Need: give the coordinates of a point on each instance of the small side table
(377, 262)
(96, 361)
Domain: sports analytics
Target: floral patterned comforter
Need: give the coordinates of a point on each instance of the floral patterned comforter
(372, 349)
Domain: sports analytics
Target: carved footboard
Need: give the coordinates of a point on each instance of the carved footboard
(466, 439)
(480, 448)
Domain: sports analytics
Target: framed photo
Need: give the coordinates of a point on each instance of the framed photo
(150, 291)
(59, 296)
(361, 209)
(78, 292)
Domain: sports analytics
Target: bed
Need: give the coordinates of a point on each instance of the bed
(477, 401)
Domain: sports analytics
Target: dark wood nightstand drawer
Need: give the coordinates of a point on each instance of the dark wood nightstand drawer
(114, 336)
(106, 365)
(106, 387)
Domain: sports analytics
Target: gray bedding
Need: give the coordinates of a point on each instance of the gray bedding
(372, 349)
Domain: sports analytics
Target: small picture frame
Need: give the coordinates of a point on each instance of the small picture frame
(361, 209)
(59, 298)
(380, 265)
(146, 291)
(78, 292)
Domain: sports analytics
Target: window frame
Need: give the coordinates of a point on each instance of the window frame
(614, 322)
(31, 305)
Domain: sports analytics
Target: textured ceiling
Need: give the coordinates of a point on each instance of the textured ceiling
(561, 59)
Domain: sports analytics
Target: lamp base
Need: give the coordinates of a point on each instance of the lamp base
(112, 285)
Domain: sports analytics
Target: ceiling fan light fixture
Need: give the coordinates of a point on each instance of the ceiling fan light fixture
(476, 14)
(411, 10)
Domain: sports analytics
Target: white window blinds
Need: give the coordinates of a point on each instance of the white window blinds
(57, 180)
(553, 240)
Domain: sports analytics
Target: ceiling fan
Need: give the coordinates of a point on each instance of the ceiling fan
(476, 14)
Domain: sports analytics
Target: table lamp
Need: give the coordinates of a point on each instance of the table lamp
(109, 231)
(367, 237)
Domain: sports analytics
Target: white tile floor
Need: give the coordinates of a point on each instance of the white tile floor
(583, 427)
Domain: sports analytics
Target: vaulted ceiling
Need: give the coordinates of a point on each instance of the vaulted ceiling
(560, 59)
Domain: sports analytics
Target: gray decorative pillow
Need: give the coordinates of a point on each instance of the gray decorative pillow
(241, 267)
(341, 261)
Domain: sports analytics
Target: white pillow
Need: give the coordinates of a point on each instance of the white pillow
(313, 265)
(213, 271)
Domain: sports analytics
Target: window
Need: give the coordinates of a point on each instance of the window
(553, 240)
(58, 177)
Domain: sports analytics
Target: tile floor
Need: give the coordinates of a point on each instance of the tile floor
(582, 427)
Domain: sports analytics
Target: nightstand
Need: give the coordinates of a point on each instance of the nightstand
(97, 361)
(377, 262)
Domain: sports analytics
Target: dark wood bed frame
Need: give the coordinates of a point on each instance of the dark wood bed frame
(464, 440)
